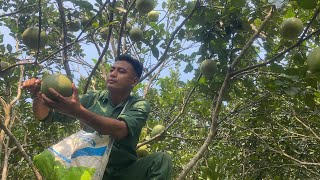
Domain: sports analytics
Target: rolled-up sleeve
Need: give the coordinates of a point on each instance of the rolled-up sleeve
(136, 116)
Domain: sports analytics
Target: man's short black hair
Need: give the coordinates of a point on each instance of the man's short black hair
(137, 65)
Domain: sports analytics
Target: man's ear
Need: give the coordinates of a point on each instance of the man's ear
(135, 81)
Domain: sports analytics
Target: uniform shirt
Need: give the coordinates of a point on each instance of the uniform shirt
(135, 114)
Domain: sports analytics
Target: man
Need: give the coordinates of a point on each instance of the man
(101, 111)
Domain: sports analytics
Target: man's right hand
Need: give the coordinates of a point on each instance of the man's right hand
(32, 85)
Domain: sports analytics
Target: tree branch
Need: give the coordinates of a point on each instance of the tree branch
(214, 123)
(164, 55)
(186, 101)
(308, 127)
(21, 149)
(104, 50)
(39, 33)
(64, 38)
(301, 40)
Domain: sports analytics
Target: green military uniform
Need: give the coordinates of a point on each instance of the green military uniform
(123, 163)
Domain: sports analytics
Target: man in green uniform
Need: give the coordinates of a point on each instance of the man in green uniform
(114, 112)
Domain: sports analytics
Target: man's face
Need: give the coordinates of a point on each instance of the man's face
(121, 77)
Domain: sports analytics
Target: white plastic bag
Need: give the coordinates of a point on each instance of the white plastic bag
(82, 155)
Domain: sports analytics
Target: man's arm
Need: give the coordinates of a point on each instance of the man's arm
(72, 107)
(40, 110)
(104, 125)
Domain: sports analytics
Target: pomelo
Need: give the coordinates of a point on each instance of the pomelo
(153, 16)
(142, 151)
(144, 6)
(30, 38)
(157, 130)
(291, 28)
(313, 60)
(136, 34)
(59, 82)
(208, 67)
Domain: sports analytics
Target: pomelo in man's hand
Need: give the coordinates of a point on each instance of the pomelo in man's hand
(59, 82)
(313, 60)
(291, 28)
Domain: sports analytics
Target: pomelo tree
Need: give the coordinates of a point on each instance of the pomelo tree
(257, 117)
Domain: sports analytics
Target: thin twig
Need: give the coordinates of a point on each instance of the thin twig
(301, 40)
(308, 127)
(214, 123)
(164, 55)
(64, 38)
(186, 101)
(103, 51)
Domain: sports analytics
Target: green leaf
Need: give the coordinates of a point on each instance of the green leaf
(84, 4)
(188, 68)
(155, 51)
(9, 48)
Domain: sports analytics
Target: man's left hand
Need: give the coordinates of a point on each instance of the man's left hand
(66, 105)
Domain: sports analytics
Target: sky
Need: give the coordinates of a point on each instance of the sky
(91, 52)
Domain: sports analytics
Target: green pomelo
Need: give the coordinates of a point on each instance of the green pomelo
(291, 28)
(85, 20)
(136, 34)
(307, 4)
(30, 38)
(74, 26)
(128, 26)
(104, 32)
(157, 130)
(4, 65)
(142, 151)
(59, 82)
(144, 6)
(153, 16)
(208, 67)
(313, 60)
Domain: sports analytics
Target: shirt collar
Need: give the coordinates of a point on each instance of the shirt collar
(106, 97)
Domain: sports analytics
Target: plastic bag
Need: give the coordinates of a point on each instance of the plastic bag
(82, 155)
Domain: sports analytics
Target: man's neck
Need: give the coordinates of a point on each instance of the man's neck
(117, 98)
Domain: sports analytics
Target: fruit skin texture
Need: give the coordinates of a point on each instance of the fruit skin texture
(153, 16)
(128, 26)
(144, 6)
(4, 65)
(74, 26)
(59, 82)
(291, 28)
(157, 130)
(208, 67)
(30, 38)
(313, 60)
(136, 34)
(104, 32)
(307, 4)
(142, 151)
